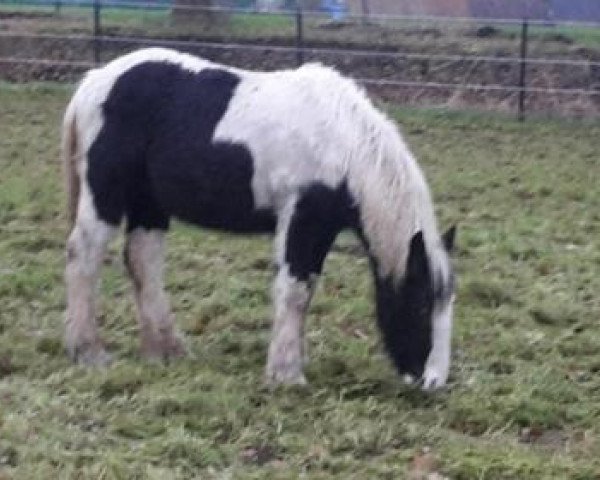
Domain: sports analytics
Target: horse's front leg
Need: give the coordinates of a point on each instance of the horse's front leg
(287, 351)
(306, 230)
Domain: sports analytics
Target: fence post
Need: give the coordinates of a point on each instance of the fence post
(299, 33)
(96, 33)
(523, 65)
(366, 11)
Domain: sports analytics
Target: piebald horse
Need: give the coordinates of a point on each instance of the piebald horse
(158, 134)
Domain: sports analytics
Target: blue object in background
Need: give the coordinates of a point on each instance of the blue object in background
(575, 10)
(336, 8)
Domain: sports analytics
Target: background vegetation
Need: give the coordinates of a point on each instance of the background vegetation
(462, 65)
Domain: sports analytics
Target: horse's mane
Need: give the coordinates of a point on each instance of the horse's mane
(384, 178)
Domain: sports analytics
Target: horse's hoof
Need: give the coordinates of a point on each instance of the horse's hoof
(90, 355)
(169, 347)
(274, 378)
(433, 379)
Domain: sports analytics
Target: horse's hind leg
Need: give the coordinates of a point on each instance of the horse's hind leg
(85, 252)
(144, 258)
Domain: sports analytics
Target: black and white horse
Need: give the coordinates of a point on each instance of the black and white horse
(303, 153)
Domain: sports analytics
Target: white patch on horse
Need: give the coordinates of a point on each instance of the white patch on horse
(438, 362)
(292, 147)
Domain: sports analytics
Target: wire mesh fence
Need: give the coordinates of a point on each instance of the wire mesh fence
(514, 66)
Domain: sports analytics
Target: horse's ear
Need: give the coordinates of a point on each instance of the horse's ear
(417, 264)
(448, 238)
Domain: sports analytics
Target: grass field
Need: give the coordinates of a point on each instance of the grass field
(524, 394)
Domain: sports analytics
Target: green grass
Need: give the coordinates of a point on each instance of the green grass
(523, 400)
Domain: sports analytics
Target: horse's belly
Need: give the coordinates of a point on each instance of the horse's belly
(211, 187)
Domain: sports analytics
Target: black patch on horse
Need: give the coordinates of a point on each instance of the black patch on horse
(320, 214)
(405, 309)
(155, 158)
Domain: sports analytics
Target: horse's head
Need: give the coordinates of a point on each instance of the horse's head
(415, 313)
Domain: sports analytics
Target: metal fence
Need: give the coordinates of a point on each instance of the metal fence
(387, 67)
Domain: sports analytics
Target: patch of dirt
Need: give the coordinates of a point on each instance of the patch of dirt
(258, 455)
(7, 367)
(550, 438)
(423, 466)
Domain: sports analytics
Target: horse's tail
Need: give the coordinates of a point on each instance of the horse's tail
(69, 146)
